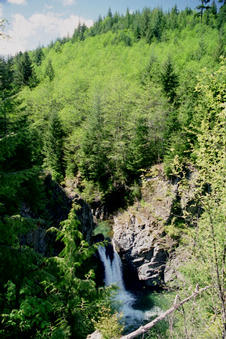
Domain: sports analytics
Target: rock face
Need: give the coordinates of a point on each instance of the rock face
(139, 232)
(37, 239)
(60, 203)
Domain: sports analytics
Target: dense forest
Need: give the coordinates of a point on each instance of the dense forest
(101, 108)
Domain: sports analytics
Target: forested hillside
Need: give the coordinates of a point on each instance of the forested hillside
(101, 108)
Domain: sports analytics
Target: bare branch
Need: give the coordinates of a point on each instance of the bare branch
(148, 326)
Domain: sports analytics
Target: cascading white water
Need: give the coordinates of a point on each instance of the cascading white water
(113, 269)
(113, 276)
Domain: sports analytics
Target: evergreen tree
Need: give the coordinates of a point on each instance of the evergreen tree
(140, 152)
(173, 18)
(151, 71)
(220, 50)
(49, 71)
(128, 19)
(53, 147)
(18, 70)
(169, 80)
(94, 150)
(97, 27)
(137, 30)
(27, 69)
(203, 7)
(145, 21)
(109, 14)
(221, 15)
(213, 8)
(17, 161)
(79, 32)
(23, 70)
(38, 56)
(156, 25)
(5, 74)
(108, 21)
(82, 32)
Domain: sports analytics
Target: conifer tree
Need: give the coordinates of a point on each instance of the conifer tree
(49, 72)
(169, 80)
(53, 147)
(140, 153)
(38, 56)
(93, 163)
(213, 8)
(27, 64)
(203, 7)
(23, 70)
(221, 15)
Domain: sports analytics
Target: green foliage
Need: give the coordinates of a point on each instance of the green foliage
(104, 228)
(54, 297)
(108, 325)
(205, 240)
(115, 120)
(82, 301)
(18, 167)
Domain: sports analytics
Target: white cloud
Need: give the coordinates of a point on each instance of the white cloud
(39, 29)
(17, 2)
(68, 2)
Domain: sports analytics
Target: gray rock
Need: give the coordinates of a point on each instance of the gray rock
(172, 275)
(37, 240)
(95, 335)
(139, 232)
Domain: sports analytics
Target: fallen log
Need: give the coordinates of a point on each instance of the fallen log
(176, 305)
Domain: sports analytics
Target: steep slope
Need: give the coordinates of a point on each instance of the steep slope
(115, 115)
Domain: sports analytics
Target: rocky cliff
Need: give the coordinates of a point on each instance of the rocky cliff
(139, 233)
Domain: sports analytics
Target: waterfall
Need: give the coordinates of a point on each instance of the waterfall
(113, 269)
(125, 299)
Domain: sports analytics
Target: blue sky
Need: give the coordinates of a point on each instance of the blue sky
(33, 23)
